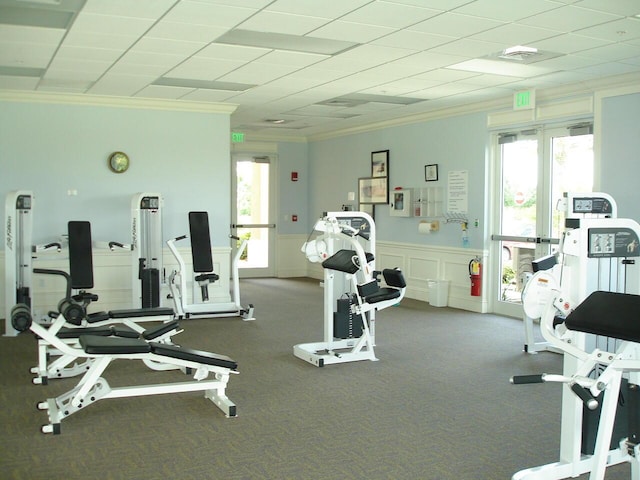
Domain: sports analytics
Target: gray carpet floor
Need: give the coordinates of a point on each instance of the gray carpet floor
(437, 405)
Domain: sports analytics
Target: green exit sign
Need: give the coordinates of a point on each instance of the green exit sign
(524, 100)
(237, 137)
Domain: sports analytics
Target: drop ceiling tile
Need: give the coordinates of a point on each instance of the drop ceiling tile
(67, 52)
(568, 43)
(389, 14)
(120, 85)
(631, 61)
(257, 72)
(515, 34)
(376, 54)
(431, 60)
(185, 31)
(232, 52)
(315, 8)
(283, 23)
(616, 31)
(162, 91)
(469, 48)
(568, 62)
(89, 68)
(152, 9)
(214, 15)
(609, 68)
(94, 23)
(443, 90)
(207, 95)
(445, 75)
(568, 18)
(66, 81)
(455, 24)
(401, 87)
(126, 68)
(27, 34)
(203, 68)
(441, 5)
(161, 45)
(414, 40)
(506, 11)
(626, 8)
(10, 82)
(612, 52)
(293, 59)
(99, 40)
(488, 80)
(351, 31)
(30, 55)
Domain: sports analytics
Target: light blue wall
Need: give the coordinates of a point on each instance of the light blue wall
(620, 147)
(50, 149)
(456, 143)
(293, 197)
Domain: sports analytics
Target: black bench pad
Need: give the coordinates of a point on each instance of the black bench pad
(343, 261)
(152, 333)
(198, 356)
(609, 314)
(97, 317)
(140, 312)
(95, 345)
(66, 332)
(383, 294)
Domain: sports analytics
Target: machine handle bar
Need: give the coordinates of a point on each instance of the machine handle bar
(522, 379)
(57, 272)
(584, 395)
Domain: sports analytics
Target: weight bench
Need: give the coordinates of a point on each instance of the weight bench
(211, 373)
(613, 315)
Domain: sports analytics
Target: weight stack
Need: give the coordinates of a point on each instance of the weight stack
(345, 323)
(150, 288)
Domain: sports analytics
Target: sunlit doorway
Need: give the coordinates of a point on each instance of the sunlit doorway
(533, 170)
(253, 214)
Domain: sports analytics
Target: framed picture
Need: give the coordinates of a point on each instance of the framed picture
(380, 163)
(373, 190)
(431, 172)
(369, 208)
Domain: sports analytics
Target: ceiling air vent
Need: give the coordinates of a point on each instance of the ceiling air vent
(518, 53)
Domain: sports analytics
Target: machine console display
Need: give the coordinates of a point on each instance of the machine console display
(150, 203)
(23, 202)
(596, 205)
(613, 242)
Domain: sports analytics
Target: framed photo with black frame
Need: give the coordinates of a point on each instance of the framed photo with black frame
(431, 173)
(369, 208)
(380, 163)
(373, 190)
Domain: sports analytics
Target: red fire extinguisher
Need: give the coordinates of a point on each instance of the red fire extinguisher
(475, 274)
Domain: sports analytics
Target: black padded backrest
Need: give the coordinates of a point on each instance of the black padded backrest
(80, 255)
(610, 314)
(394, 278)
(200, 242)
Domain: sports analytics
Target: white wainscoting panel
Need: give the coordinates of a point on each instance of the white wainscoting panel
(291, 262)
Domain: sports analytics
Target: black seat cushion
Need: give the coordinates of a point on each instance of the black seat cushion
(609, 314)
(140, 312)
(113, 345)
(198, 356)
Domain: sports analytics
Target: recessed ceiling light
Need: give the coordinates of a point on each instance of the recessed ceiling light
(282, 41)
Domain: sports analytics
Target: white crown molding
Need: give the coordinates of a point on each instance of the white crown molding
(119, 102)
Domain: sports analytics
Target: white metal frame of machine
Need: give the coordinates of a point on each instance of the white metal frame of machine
(598, 254)
(17, 256)
(575, 206)
(345, 232)
(146, 246)
(206, 308)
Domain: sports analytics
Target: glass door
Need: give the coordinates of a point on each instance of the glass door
(533, 168)
(253, 213)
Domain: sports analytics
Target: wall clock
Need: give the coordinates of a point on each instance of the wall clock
(118, 162)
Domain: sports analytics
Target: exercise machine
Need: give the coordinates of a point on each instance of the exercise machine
(146, 245)
(204, 276)
(352, 293)
(18, 253)
(211, 372)
(72, 312)
(598, 255)
(574, 207)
